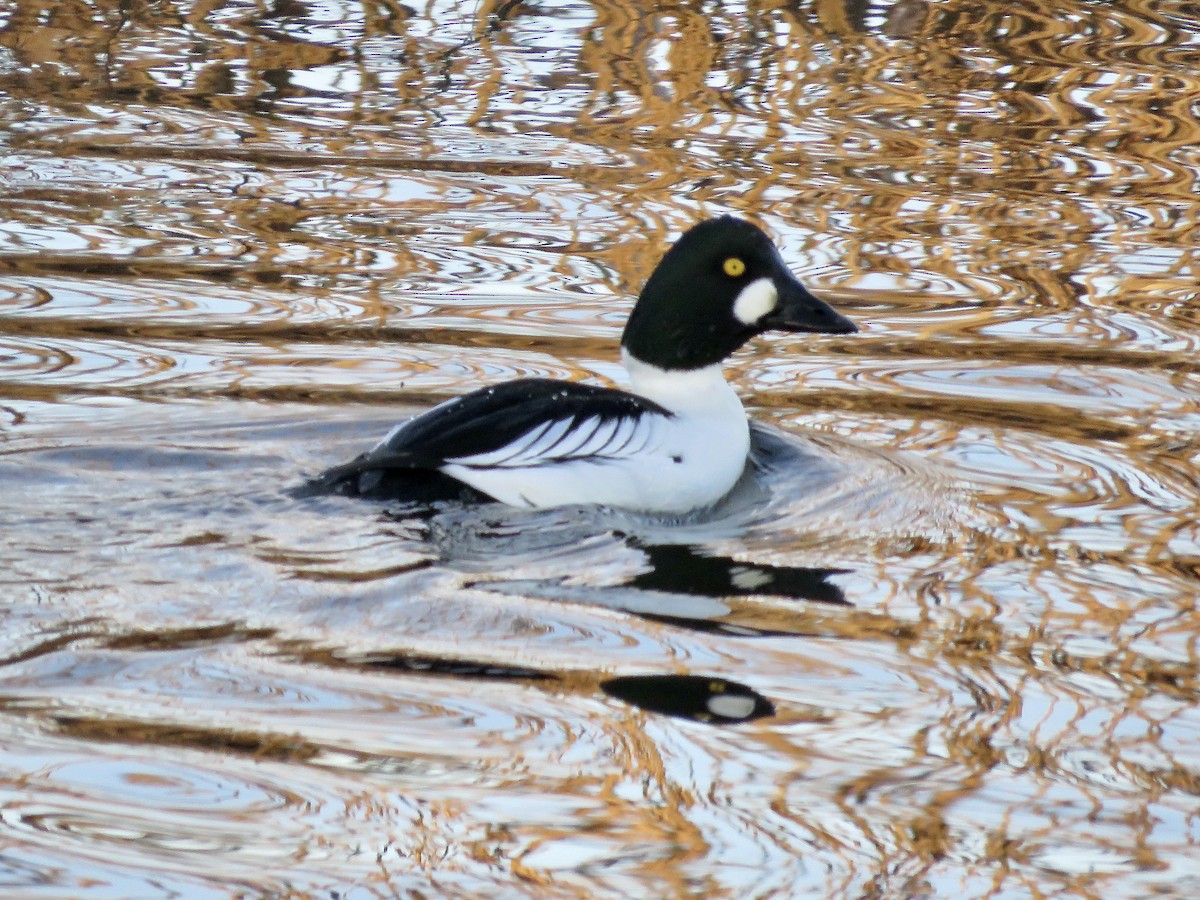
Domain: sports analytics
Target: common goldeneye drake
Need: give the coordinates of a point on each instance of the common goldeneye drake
(677, 442)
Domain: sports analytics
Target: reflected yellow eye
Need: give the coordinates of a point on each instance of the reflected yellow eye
(734, 267)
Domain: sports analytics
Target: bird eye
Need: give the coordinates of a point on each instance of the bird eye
(734, 267)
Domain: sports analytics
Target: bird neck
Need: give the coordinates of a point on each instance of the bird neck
(681, 390)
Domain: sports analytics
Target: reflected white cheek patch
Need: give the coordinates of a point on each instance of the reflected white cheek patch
(756, 300)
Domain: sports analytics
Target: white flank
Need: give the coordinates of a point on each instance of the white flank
(748, 579)
(650, 462)
(757, 299)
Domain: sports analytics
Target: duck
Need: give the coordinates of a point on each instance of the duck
(677, 441)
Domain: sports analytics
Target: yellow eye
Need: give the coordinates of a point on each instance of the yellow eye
(734, 267)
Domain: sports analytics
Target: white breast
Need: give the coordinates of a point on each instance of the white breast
(666, 464)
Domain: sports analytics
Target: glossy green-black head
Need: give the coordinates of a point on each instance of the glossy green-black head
(722, 283)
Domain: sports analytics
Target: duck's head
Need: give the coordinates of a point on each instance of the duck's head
(722, 283)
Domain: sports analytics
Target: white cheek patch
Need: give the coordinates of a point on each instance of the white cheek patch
(756, 300)
(731, 706)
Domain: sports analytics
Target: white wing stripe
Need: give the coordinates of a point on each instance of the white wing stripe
(642, 434)
(525, 450)
(626, 429)
(578, 436)
(540, 448)
(514, 449)
(521, 444)
(600, 439)
(568, 439)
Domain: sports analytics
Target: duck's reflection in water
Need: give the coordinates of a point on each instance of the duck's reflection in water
(714, 700)
(686, 571)
(680, 585)
(690, 587)
(696, 573)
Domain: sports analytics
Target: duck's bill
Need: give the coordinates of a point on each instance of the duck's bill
(798, 310)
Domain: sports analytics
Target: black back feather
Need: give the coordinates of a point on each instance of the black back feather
(406, 465)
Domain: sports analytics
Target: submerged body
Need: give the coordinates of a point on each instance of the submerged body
(677, 442)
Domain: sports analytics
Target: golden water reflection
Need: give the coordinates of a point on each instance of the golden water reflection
(239, 239)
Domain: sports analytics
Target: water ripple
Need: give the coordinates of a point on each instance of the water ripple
(961, 581)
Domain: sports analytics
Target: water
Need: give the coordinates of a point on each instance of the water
(954, 613)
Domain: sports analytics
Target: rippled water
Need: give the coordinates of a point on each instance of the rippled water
(954, 609)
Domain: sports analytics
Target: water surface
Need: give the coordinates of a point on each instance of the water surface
(953, 616)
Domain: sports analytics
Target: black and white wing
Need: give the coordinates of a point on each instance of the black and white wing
(527, 424)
